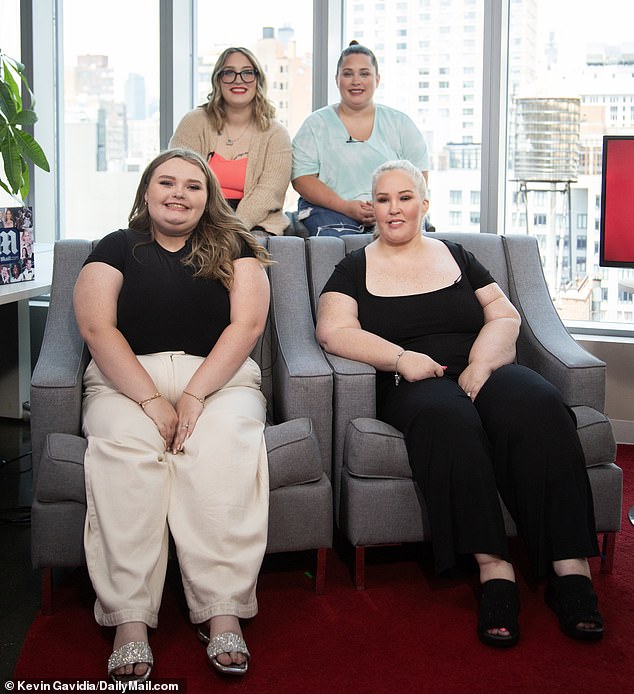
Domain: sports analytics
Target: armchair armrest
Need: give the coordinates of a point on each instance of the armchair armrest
(355, 396)
(302, 377)
(544, 343)
(56, 384)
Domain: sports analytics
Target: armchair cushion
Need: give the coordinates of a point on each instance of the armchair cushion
(376, 449)
(294, 458)
(293, 453)
(596, 436)
(61, 476)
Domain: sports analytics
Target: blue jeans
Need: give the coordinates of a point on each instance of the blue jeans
(321, 221)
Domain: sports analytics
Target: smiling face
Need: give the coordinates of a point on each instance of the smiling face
(176, 197)
(239, 93)
(398, 206)
(357, 80)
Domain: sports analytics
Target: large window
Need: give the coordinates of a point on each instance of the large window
(569, 68)
(110, 120)
(569, 82)
(435, 76)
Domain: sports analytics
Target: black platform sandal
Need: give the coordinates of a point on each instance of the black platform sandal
(499, 607)
(573, 601)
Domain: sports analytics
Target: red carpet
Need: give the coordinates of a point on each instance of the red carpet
(407, 632)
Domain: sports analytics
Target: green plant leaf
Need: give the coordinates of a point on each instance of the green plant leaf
(26, 117)
(11, 83)
(7, 102)
(17, 147)
(31, 149)
(26, 181)
(12, 164)
(5, 186)
(15, 64)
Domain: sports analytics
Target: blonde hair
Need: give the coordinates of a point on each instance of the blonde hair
(263, 109)
(218, 237)
(406, 167)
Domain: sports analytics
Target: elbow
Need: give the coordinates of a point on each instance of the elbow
(322, 338)
(252, 332)
(319, 335)
(517, 320)
(87, 331)
(92, 335)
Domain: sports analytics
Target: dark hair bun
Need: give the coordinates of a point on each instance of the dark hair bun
(354, 42)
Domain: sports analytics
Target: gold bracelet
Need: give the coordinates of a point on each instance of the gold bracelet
(397, 375)
(200, 400)
(143, 403)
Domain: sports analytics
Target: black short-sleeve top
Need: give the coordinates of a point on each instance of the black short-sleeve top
(162, 307)
(442, 324)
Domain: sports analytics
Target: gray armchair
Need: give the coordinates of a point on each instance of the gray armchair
(296, 380)
(376, 500)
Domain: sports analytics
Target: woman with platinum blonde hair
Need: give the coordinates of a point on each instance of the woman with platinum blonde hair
(430, 318)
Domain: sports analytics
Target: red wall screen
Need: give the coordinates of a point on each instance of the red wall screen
(617, 202)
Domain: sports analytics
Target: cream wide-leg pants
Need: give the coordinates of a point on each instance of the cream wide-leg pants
(213, 496)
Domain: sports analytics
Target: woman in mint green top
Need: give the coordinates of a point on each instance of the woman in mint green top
(339, 146)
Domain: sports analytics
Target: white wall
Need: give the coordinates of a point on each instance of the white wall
(618, 354)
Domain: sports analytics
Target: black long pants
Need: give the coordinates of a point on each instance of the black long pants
(518, 437)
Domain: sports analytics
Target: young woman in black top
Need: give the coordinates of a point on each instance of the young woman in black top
(170, 310)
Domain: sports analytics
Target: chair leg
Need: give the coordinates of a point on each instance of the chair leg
(46, 590)
(607, 553)
(359, 567)
(320, 573)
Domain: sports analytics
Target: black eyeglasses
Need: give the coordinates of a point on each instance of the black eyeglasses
(229, 76)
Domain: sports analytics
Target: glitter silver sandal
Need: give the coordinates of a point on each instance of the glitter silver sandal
(227, 642)
(131, 654)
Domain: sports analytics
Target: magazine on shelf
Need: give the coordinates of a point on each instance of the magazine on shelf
(17, 263)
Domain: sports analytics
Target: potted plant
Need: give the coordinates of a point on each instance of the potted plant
(17, 147)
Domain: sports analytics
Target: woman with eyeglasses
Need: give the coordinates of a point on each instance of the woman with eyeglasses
(339, 146)
(247, 149)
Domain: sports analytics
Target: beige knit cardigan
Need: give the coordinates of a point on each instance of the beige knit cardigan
(268, 168)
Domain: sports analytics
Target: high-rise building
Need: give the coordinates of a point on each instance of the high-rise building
(135, 97)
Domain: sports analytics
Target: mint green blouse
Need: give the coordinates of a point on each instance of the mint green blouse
(323, 146)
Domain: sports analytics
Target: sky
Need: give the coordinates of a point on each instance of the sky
(128, 52)
(593, 22)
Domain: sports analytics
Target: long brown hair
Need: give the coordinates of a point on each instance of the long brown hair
(218, 237)
(263, 109)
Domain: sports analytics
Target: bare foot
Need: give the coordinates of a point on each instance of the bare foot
(126, 633)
